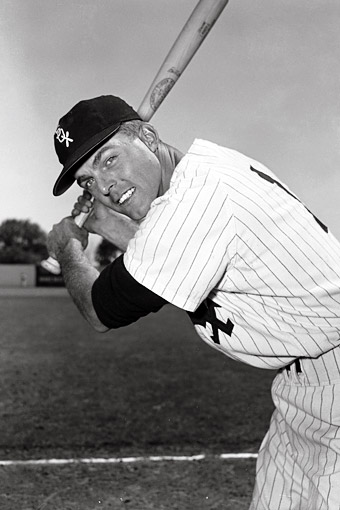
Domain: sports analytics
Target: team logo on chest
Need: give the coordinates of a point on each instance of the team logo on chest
(206, 313)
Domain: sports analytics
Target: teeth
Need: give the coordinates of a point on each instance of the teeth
(126, 195)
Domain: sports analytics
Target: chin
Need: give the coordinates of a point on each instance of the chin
(138, 214)
(137, 217)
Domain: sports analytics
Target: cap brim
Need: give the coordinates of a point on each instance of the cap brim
(66, 177)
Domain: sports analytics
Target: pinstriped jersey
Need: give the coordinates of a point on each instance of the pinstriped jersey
(233, 246)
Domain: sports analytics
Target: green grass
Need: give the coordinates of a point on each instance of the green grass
(151, 388)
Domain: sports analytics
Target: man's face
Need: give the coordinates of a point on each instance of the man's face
(123, 174)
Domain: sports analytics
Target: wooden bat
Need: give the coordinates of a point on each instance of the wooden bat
(184, 48)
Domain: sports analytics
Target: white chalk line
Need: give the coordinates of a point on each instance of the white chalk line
(122, 460)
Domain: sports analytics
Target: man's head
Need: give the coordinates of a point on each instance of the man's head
(106, 147)
(88, 125)
(125, 173)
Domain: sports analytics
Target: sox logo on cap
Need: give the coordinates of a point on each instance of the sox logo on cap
(63, 136)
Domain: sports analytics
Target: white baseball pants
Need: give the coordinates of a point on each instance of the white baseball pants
(298, 466)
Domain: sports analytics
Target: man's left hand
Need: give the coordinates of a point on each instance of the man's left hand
(62, 233)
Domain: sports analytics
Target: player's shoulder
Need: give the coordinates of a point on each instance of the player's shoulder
(205, 150)
(205, 157)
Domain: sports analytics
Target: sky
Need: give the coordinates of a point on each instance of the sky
(266, 82)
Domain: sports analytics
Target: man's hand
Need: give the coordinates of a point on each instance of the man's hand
(83, 204)
(111, 225)
(61, 235)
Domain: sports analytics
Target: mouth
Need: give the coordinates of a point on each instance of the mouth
(125, 196)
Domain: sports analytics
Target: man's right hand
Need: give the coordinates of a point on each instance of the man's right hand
(83, 204)
(112, 226)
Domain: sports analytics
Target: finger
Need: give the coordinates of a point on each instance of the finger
(75, 212)
(80, 208)
(87, 195)
(84, 201)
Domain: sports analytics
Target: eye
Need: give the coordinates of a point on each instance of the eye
(88, 183)
(110, 161)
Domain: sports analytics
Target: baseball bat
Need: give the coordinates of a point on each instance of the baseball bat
(195, 30)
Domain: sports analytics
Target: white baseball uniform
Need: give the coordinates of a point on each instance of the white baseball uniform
(260, 277)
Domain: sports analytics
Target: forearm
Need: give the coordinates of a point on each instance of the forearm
(116, 228)
(121, 235)
(79, 276)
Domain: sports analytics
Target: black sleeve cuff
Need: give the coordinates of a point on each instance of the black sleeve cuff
(119, 299)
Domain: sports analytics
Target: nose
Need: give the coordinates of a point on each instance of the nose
(106, 190)
(105, 186)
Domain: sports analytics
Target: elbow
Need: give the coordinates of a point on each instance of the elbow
(97, 324)
(94, 320)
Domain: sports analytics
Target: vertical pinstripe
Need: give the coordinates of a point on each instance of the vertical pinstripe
(223, 231)
(228, 230)
(298, 467)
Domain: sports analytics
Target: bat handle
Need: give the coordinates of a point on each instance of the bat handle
(52, 265)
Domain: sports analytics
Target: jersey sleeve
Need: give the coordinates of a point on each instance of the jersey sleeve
(186, 242)
(119, 299)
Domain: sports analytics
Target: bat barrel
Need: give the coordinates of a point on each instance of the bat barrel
(184, 48)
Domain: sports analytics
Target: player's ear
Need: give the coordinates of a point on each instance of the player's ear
(149, 135)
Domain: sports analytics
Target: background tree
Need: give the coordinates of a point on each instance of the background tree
(105, 253)
(22, 242)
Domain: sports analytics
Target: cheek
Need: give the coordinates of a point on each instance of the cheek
(149, 170)
(152, 182)
(149, 193)
(106, 201)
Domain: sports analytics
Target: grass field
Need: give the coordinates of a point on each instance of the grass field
(153, 388)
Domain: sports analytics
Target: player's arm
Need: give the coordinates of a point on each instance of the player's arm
(110, 299)
(66, 243)
(119, 299)
(116, 228)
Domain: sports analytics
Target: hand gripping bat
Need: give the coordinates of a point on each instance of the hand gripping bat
(199, 24)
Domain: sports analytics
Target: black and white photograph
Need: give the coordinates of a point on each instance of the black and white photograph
(170, 255)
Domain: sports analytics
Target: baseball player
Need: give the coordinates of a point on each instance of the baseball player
(217, 234)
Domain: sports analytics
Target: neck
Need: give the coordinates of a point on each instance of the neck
(169, 157)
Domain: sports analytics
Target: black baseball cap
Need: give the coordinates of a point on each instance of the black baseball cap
(89, 124)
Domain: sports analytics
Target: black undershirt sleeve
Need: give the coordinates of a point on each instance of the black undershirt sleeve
(119, 299)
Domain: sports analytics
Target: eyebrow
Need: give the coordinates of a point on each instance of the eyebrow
(99, 155)
(95, 163)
